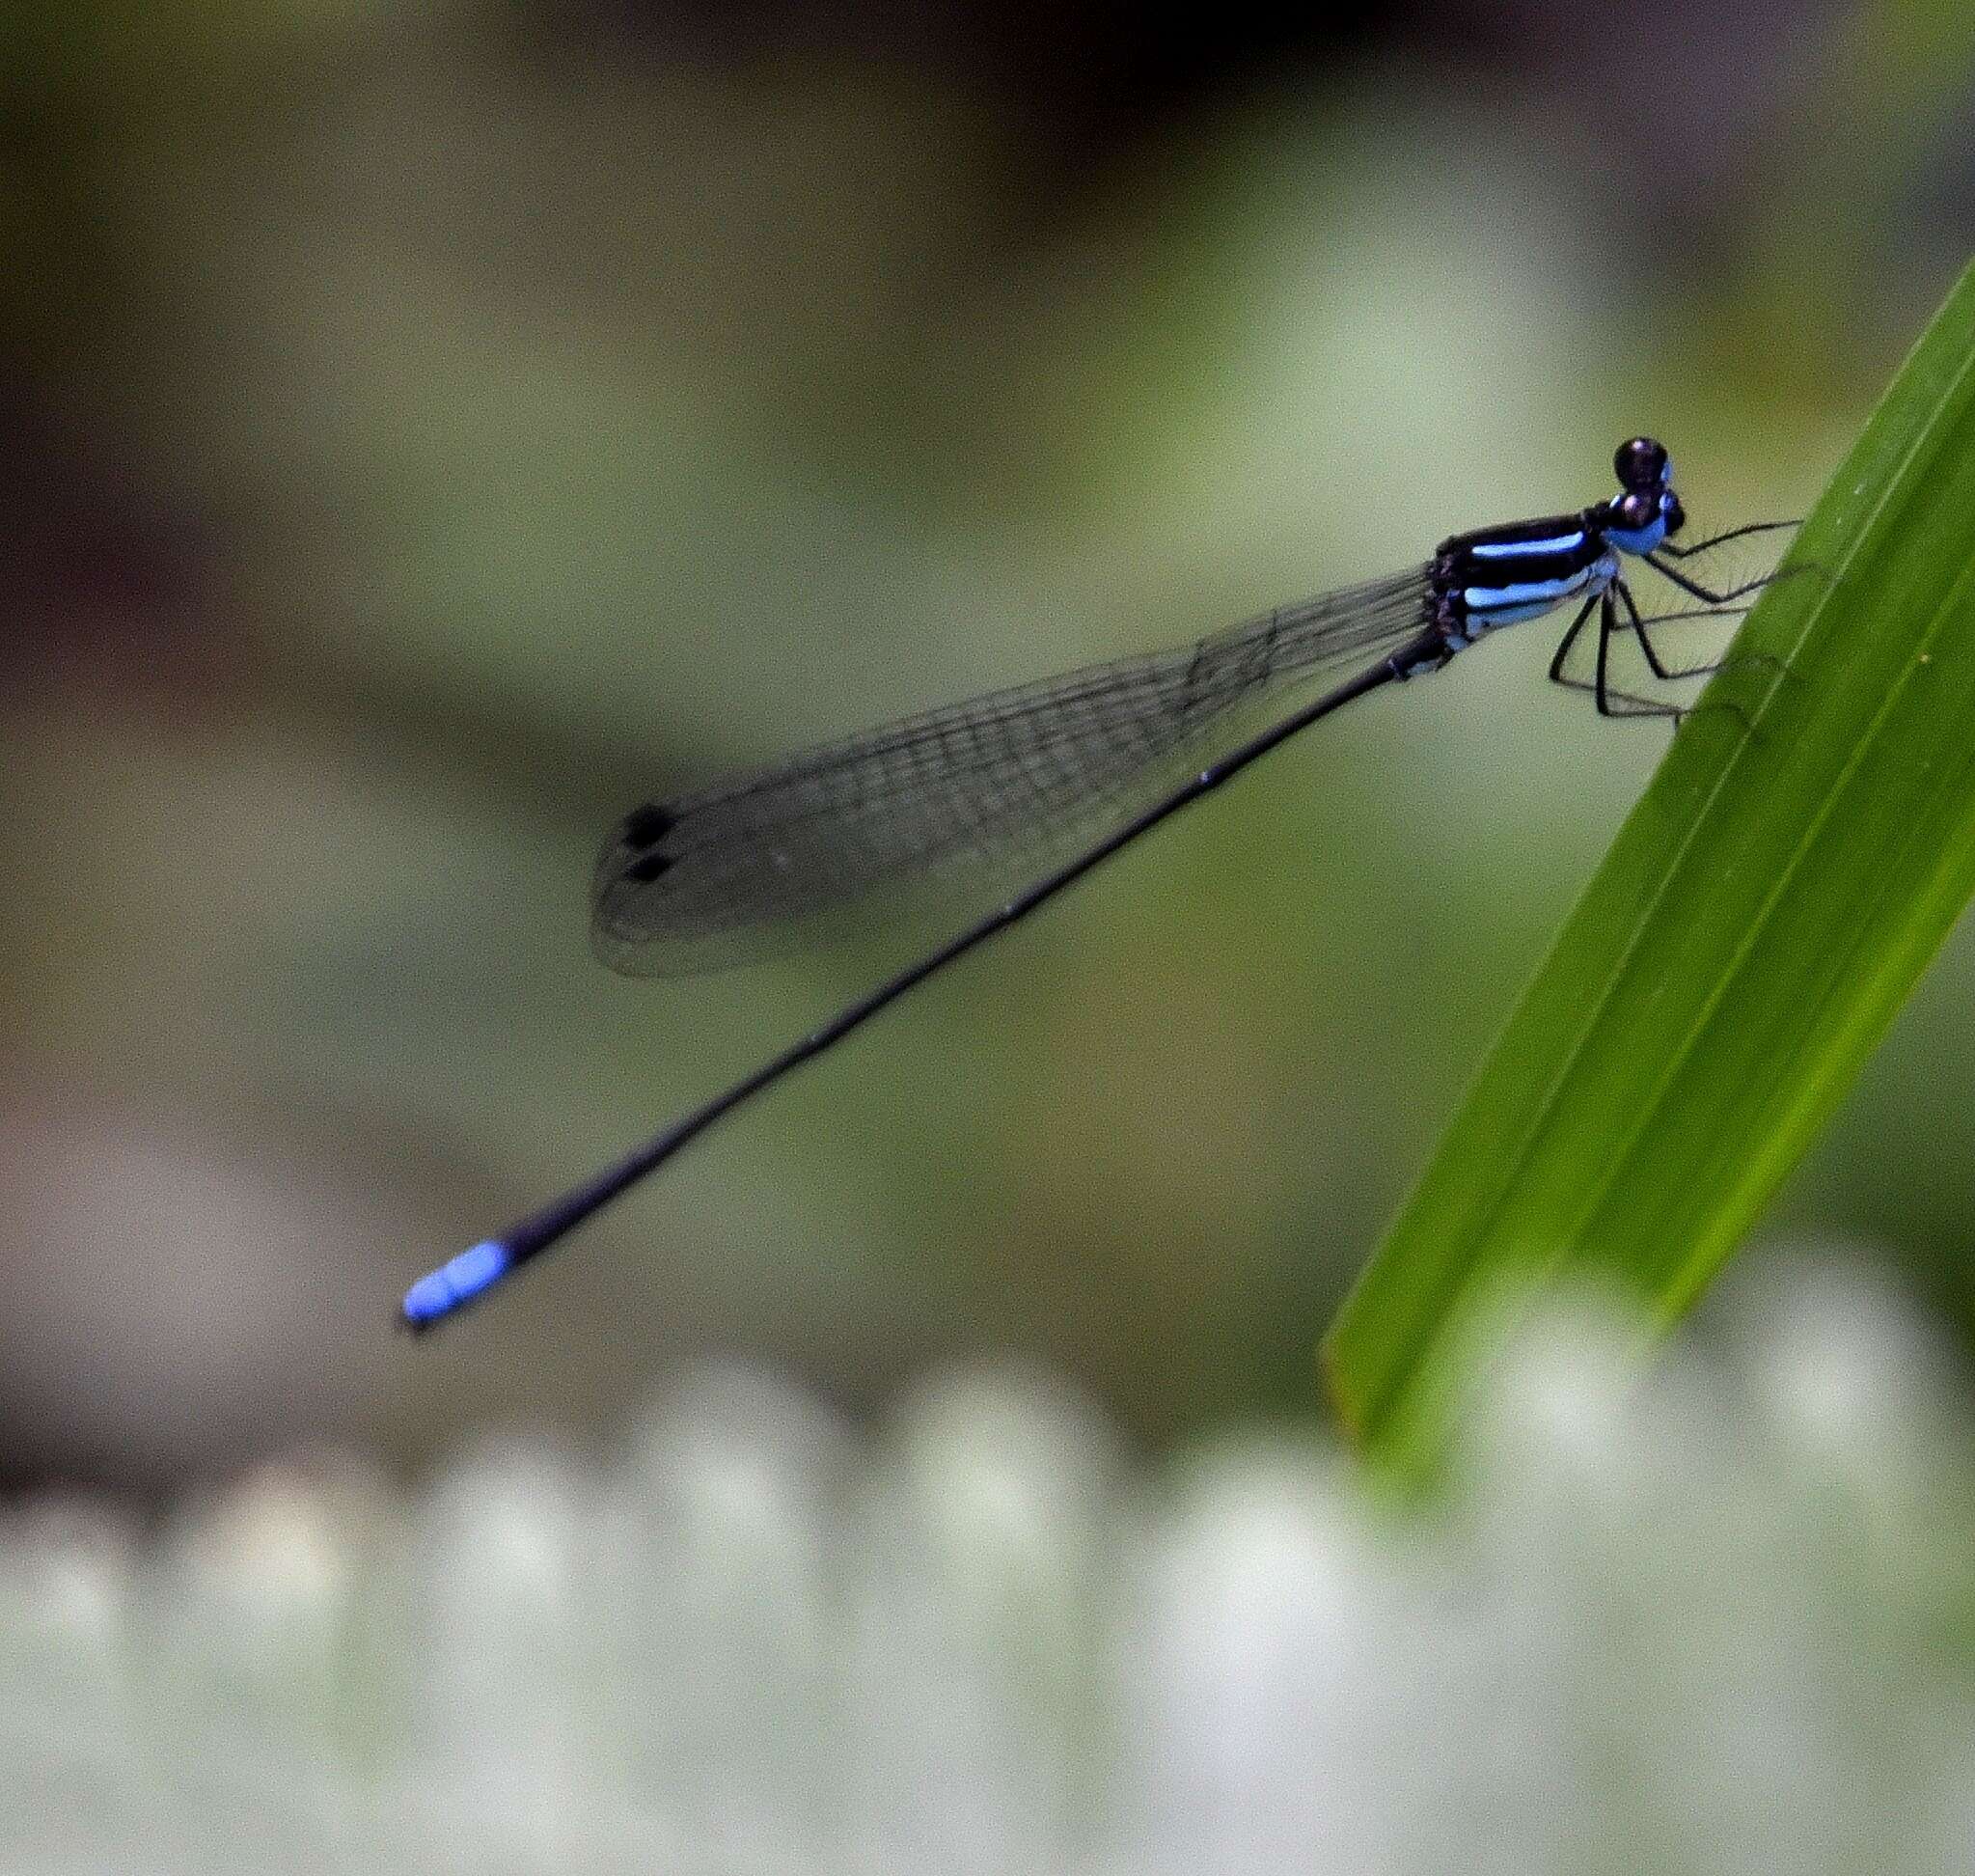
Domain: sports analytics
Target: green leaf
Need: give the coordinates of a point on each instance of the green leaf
(1767, 907)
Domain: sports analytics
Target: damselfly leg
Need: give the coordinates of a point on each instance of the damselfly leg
(1695, 549)
(1619, 617)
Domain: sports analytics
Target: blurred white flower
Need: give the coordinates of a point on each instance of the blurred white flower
(1682, 1613)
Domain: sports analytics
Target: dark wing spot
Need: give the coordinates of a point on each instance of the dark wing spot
(643, 870)
(648, 825)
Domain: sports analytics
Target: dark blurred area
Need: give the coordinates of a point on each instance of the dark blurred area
(430, 430)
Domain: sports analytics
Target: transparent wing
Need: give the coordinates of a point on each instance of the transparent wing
(973, 796)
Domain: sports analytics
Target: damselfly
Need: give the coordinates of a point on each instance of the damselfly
(1078, 765)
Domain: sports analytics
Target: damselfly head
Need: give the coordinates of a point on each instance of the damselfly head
(1649, 511)
(1641, 463)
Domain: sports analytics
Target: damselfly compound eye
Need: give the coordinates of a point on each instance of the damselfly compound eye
(1640, 464)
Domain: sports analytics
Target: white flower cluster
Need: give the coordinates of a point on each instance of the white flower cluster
(1694, 1615)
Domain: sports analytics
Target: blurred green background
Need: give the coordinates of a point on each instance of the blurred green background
(432, 430)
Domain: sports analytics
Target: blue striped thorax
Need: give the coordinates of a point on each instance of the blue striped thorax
(1497, 576)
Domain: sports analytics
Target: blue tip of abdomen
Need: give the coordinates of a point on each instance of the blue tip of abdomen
(456, 1283)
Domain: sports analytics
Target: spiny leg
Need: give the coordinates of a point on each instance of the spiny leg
(1607, 623)
(1689, 585)
(1607, 629)
(1642, 628)
(1662, 671)
(1569, 639)
(1741, 532)
(1611, 702)
(1695, 587)
(1603, 691)
(1610, 698)
(1668, 673)
(1636, 705)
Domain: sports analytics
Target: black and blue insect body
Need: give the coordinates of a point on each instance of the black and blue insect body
(1500, 576)
(1032, 787)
